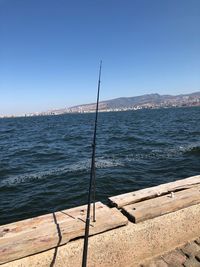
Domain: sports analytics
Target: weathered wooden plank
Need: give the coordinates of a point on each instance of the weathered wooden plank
(60, 228)
(140, 195)
(15, 228)
(155, 207)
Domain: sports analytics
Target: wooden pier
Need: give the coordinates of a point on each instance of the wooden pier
(136, 227)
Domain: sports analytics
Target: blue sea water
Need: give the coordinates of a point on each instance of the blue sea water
(45, 161)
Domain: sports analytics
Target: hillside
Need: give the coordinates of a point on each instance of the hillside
(139, 102)
(129, 103)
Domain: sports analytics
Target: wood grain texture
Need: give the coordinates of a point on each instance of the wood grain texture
(147, 193)
(24, 238)
(155, 207)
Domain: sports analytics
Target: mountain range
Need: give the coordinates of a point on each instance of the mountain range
(147, 101)
(136, 102)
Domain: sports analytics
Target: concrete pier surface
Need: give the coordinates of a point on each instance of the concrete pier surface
(187, 255)
(156, 239)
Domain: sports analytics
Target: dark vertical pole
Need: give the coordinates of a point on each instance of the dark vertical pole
(92, 184)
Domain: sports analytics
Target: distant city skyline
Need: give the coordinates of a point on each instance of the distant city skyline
(50, 51)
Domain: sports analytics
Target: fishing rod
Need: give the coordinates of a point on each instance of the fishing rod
(92, 183)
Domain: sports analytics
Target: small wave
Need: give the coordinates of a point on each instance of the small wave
(165, 153)
(73, 168)
(108, 163)
(73, 137)
(6, 131)
(195, 150)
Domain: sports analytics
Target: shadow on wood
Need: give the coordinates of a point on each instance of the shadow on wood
(59, 240)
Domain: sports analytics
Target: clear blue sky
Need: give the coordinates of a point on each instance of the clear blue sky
(50, 50)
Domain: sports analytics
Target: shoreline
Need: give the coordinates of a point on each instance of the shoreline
(92, 112)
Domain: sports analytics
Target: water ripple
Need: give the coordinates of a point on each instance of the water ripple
(45, 161)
